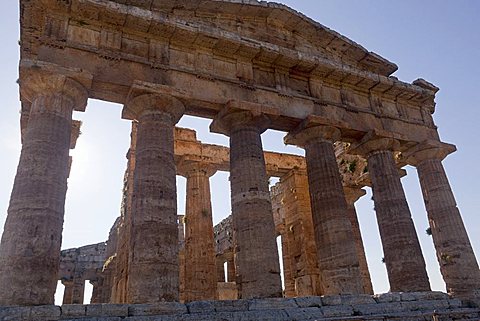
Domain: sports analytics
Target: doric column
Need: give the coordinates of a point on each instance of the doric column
(352, 195)
(68, 292)
(230, 268)
(256, 253)
(289, 265)
(96, 292)
(78, 290)
(455, 255)
(220, 268)
(401, 248)
(153, 272)
(336, 251)
(200, 267)
(30, 246)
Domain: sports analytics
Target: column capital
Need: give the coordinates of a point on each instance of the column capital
(305, 136)
(375, 141)
(353, 194)
(40, 79)
(426, 150)
(187, 168)
(239, 114)
(66, 282)
(139, 103)
(312, 128)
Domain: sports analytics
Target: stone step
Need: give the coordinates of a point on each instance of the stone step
(434, 306)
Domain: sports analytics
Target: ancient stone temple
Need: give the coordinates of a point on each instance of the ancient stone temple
(248, 66)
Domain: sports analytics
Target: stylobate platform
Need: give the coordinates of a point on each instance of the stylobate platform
(421, 306)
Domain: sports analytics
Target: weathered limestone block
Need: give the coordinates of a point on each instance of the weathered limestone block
(458, 264)
(403, 255)
(78, 290)
(272, 303)
(219, 262)
(293, 220)
(200, 261)
(30, 246)
(161, 308)
(45, 312)
(336, 251)
(102, 290)
(78, 265)
(352, 195)
(107, 310)
(74, 310)
(68, 292)
(230, 268)
(153, 272)
(309, 301)
(227, 291)
(256, 253)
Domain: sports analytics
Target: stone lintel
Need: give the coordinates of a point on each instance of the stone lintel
(188, 147)
(278, 164)
(145, 96)
(242, 113)
(39, 77)
(315, 127)
(427, 150)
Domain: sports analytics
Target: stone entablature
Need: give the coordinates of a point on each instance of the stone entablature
(201, 64)
(86, 260)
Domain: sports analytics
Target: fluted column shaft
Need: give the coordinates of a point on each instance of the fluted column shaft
(220, 269)
(78, 291)
(455, 255)
(31, 240)
(403, 255)
(200, 268)
(352, 196)
(96, 292)
(153, 269)
(288, 266)
(230, 269)
(362, 259)
(336, 251)
(153, 262)
(68, 292)
(257, 263)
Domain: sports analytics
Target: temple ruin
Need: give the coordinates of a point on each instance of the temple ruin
(248, 66)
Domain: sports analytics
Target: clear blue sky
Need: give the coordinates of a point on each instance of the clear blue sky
(438, 40)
